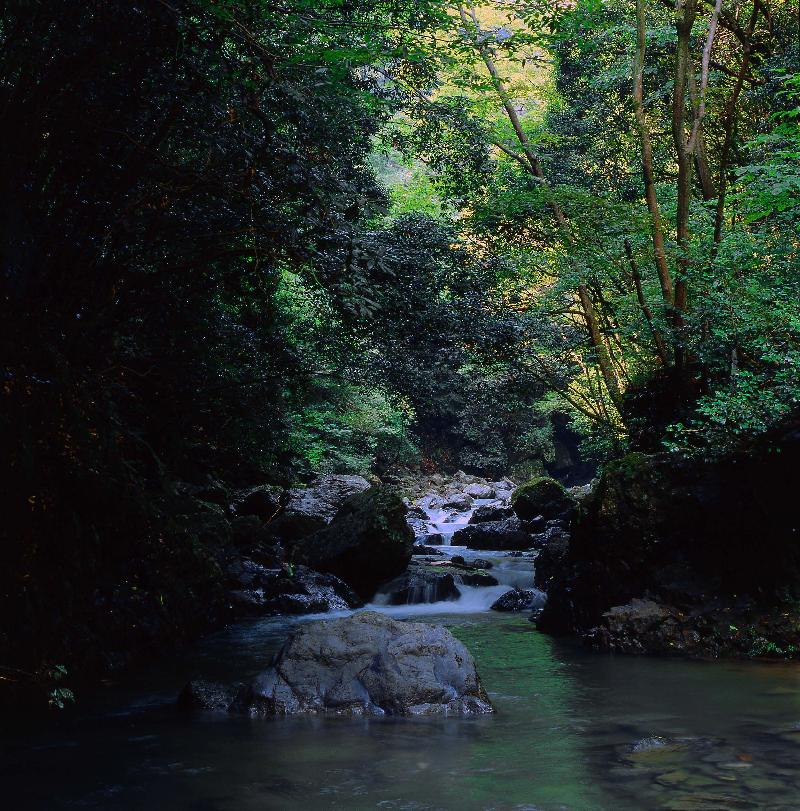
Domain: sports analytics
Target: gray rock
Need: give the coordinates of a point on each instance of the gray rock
(200, 694)
(420, 549)
(368, 543)
(479, 490)
(476, 578)
(475, 563)
(258, 590)
(520, 600)
(367, 664)
(490, 512)
(457, 501)
(311, 508)
(501, 535)
(420, 584)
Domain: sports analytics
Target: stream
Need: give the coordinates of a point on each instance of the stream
(573, 730)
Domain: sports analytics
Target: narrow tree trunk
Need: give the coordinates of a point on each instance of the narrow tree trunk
(647, 157)
(661, 347)
(730, 126)
(601, 350)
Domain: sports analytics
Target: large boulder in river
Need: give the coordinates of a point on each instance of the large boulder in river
(367, 664)
(311, 508)
(520, 600)
(368, 542)
(508, 534)
(541, 497)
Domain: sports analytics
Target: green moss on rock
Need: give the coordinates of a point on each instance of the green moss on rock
(541, 496)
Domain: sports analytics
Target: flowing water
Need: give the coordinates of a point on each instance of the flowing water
(573, 730)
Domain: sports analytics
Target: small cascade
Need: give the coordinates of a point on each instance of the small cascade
(472, 600)
(446, 522)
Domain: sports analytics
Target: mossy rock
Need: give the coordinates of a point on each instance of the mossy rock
(542, 496)
(367, 543)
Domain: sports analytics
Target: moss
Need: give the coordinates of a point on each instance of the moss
(628, 466)
(541, 496)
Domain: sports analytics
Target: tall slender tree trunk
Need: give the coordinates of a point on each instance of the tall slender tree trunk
(685, 15)
(602, 354)
(658, 339)
(656, 223)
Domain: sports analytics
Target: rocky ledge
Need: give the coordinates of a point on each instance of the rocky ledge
(366, 664)
(690, 556)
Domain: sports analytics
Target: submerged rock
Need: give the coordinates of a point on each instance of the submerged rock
(367, 664)
(368, 543)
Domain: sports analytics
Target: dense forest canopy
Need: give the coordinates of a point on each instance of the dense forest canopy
(253, 241)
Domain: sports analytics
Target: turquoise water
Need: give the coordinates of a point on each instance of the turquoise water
(573, 730)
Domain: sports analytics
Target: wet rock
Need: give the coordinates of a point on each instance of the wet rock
(420, 585)
(368, 543)
(475, 563)
(257, 590)
(421, 549)
(432, 539)
(581, 492)
(542, 496)
(642, 626)
(367, 664)
(430, 501)
(200, 694)
(249, 532)
(519, 600)
(490, 512)
(263, 501)
(500, 535)
(477, 578)
(552, 536)
(311, 508)
(457, 501)
(479, 490)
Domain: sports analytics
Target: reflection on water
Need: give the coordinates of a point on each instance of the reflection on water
(573, 730)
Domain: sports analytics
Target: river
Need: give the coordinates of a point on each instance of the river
(573, 730)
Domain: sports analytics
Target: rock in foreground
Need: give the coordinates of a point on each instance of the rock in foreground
(367, 664)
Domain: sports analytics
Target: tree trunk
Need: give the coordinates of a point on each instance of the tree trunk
(647, 158)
